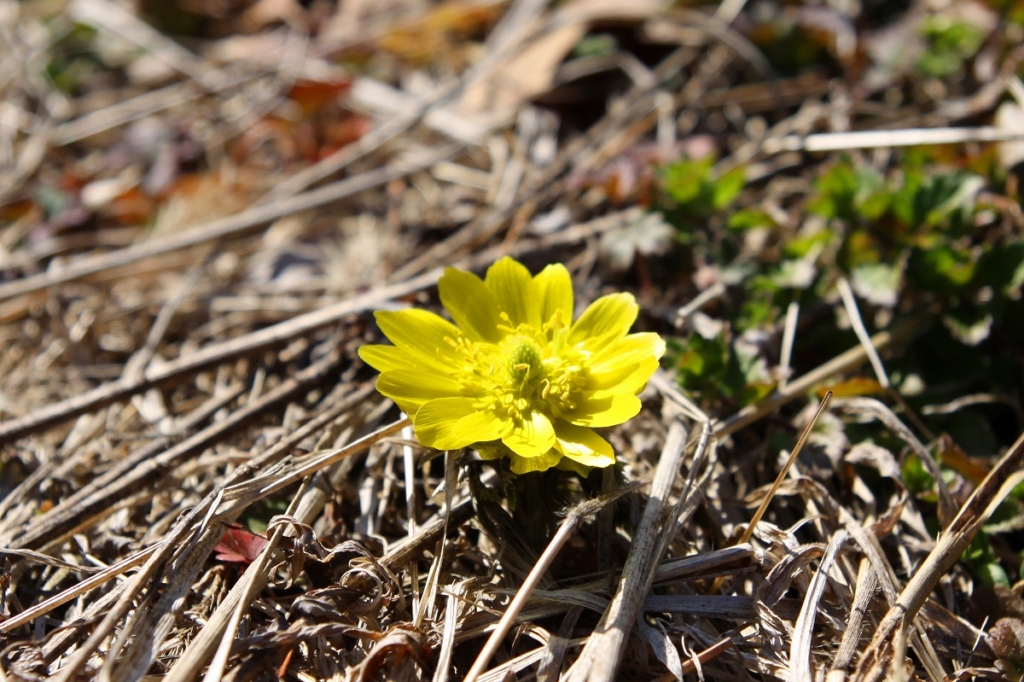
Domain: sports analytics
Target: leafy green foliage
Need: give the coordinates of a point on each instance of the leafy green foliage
(1001, 266)
(845, 192)
(915, 202)
(749, 219)
(984, 563)
(694, 191)
(928, 234)
(941, 266)
(903, 235)
(949, 44)
(719, 368)
(915, 476)
(908, 242)
(936, 200)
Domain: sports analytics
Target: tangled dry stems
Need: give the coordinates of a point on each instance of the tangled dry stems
(162, 383)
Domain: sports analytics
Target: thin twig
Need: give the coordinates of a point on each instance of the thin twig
(748, 532)
(600, 658)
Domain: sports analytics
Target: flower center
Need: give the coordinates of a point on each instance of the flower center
(524, 361)
(527, 370)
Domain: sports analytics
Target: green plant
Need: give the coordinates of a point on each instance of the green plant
(949, 44)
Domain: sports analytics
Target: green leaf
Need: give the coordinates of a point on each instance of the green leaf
(942, 267)
(984, 562)
(835, 191)
(692, 185)
(936, 200)
(801, 247)
(915, 476)
(872, 205)
(684, 180)
(750, 219)
(1002, 267)
(951, 193)
(904, 201)
(707, 366)
(759, 310)
(753, 366)
(950, 43)
(728, 186)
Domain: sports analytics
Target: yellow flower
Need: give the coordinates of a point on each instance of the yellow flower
(514, 376)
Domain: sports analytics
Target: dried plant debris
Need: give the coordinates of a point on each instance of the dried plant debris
(202, 203)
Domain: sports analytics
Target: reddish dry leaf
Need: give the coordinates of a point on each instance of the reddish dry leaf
(132, 207)
(312, 95)
(344, 132)
(239, 546)
(953, 456)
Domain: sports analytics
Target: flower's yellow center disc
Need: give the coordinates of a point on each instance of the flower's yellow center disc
(527, 370)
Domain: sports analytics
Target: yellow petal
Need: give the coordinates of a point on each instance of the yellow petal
(453, 423)
(631, 381)
(611, 381)
(410, 388)
(531, 437)
(524, 465)
(625, 365)
(583, 445)
(566, 464)
(420, 334)
(628, 351)
(386, 358)
(483, 426)
(608, 410)
(471, 304)
(607, 319)
(554, 292)
(513, 288)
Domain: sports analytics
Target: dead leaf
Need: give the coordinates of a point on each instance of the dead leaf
(239, 546)
(526, 75)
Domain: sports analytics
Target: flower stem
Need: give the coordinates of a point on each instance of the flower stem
(535, 506)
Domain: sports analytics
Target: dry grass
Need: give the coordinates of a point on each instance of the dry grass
(179, 328)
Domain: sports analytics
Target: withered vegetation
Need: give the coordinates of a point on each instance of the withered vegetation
(203, 201)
